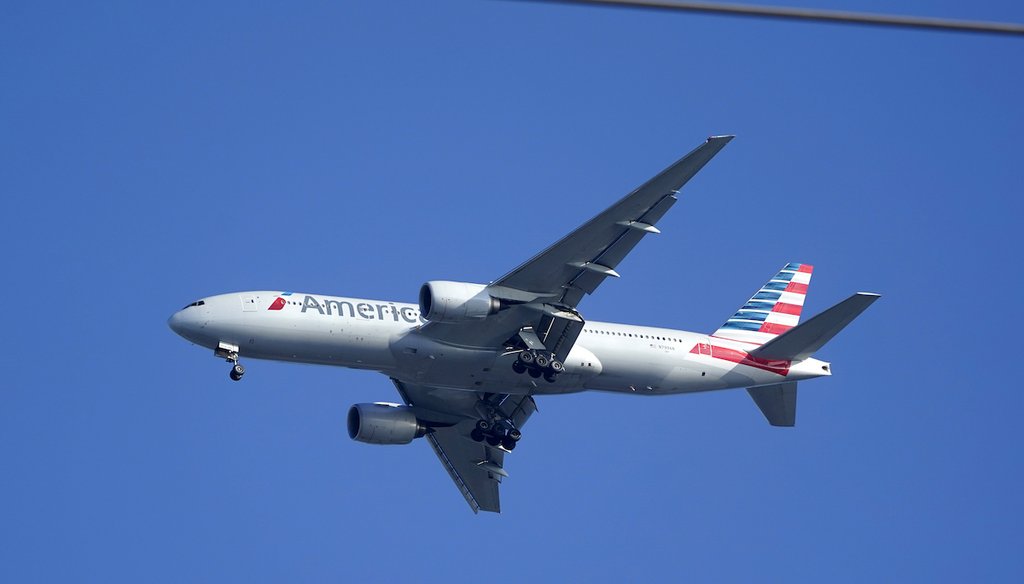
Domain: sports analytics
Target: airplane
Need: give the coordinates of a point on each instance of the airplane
(468, 360)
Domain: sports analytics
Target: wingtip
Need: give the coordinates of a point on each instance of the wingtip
(721, 138)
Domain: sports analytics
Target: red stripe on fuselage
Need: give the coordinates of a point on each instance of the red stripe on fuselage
(742, 358)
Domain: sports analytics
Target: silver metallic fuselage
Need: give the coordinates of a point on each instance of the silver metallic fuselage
(382, 336)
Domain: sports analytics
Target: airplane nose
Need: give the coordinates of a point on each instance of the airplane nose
(190, 323)
(177, 322)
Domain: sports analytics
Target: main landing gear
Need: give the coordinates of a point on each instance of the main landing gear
(229, 353)
(494, 427)
(501, 433)
(537, 363)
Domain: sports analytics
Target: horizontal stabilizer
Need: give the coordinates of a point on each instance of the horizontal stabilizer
(803, 340)
(777, 402)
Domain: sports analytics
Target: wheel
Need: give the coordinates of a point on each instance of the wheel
(541, 361)
(527, 357)
(518, 367)
(550, 376)
(557, 366)
(508, 443)
(493, 440)
(238, 369)
(477, 435)
(234, 376)
(534, 373)
(483, 425)
(515, 435)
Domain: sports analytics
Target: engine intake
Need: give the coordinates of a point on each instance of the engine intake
(383, 423)
(443, 301)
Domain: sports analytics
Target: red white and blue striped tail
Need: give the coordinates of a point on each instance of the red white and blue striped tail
(773, 310)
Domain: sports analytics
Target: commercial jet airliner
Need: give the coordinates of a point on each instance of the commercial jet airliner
(469, 359)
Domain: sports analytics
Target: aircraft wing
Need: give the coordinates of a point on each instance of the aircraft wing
(580, 261)
(476, 467)
(546, 289)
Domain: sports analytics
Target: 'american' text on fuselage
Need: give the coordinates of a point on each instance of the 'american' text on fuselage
(365, 310)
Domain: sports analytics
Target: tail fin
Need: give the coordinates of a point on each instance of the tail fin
(778, 402)
(773, 310)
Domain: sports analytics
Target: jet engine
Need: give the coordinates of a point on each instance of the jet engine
(442, 301)
(384, 423)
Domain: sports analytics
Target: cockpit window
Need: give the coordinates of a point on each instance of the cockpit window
(196, 303)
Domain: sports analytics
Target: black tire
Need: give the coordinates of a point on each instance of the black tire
(534, 373)
(527, 357)
(493, 440)
(238, 369)
(234, 376)
(483, 425)
(541, 361)
(477, 435)
(515, 435)
(557, 366)
(550, 377)
(508, 443)
(518, 367)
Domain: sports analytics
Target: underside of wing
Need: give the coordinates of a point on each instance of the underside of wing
(542, 294)
(580, 261)
(476, 467)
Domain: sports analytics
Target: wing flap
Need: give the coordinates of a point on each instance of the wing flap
(473, 467)
(476, 468)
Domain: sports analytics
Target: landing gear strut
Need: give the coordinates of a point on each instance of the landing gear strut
(229, 353)
(535, 358)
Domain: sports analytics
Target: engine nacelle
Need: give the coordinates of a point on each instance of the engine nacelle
(383, 423)
(442, 301)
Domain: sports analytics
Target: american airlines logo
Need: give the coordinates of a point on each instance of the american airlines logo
(364, 310)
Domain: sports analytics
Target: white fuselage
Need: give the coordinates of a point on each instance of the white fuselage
(381, 336)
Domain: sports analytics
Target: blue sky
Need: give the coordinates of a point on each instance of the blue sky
(153, 155)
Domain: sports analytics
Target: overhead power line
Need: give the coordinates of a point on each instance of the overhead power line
(783, 12)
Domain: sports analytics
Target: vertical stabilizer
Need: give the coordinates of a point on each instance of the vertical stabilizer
(773, 310)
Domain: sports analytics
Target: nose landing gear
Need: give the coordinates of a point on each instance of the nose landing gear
(229, 353)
